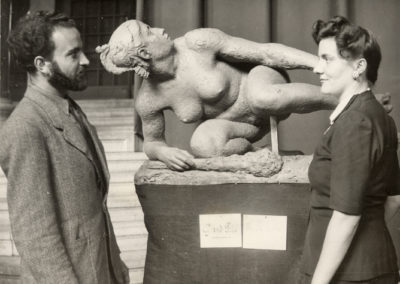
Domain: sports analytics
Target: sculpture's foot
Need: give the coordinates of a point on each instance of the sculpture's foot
(261, 163)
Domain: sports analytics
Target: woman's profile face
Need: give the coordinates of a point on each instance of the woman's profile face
(335, 72)
(151, 33)
(156, 40)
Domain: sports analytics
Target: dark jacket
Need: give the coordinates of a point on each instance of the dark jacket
(354, 169)
(57, 205)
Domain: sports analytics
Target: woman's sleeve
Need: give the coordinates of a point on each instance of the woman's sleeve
(394, 175)
(352, 160)
(394, 187)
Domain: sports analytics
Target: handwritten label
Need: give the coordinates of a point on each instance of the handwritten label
(220, 230)
(264, 232)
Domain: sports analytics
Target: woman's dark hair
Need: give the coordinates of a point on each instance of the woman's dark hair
(31, 36)
(352, 42)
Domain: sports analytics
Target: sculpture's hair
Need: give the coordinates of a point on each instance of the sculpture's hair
(121, 54)
(352, 42)
(32, 36)
(141, 66)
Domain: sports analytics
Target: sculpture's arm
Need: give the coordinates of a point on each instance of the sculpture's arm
(156, 147)
(237, 49)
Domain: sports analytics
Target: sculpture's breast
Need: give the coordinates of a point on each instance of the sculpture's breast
(188, 110)
(211, 86)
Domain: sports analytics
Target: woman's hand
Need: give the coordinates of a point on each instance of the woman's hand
(176, 159)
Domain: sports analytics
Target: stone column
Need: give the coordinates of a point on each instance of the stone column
(137, 82)
(5, 101)
(342, 8)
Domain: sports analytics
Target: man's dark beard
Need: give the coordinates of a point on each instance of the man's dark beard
(60, 81)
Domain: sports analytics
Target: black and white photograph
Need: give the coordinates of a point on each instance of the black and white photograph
(199, 142)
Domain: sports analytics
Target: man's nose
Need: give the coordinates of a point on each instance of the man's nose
(84, 61)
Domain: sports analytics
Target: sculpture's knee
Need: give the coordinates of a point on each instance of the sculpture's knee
(262, 94)
(238, 146)
(263, 100)
(217, 137)
(207, 141)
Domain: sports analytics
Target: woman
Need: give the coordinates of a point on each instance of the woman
(198, 77)
(354, 173)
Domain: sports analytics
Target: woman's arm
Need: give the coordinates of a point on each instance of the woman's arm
(392, 206)
(156, 147)
(237, 49)
(340, 233)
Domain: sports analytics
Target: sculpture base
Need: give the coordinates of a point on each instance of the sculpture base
(174, 252)
(172, 203)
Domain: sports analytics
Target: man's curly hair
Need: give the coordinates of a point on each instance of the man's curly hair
(32, 36)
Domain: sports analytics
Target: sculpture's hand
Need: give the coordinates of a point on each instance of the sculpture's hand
(385, 101)
(176, 159)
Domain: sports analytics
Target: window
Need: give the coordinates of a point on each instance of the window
(96, 20)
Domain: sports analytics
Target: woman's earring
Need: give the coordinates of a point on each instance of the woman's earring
(355, 75)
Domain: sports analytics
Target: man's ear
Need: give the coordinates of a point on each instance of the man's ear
(43, 66)
(144, 53)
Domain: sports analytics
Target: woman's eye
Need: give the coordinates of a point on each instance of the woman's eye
(329, 59)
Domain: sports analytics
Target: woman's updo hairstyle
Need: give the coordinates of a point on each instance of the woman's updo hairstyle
(352, 42)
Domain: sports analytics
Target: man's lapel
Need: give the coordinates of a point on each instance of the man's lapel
(72, 133)
(61, 120)
(100, 153)
(57, 111)
(97, 144)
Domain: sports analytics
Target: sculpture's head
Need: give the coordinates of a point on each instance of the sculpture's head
(348, 54)
(135, 46)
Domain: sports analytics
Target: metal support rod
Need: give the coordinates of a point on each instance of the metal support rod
(274, 134)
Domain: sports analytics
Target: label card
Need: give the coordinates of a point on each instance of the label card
(264, 232)
(220, 230)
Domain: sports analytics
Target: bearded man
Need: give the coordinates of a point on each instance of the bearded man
(55, 163)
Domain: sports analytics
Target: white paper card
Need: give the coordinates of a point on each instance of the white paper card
(264, 232)
(220, 230)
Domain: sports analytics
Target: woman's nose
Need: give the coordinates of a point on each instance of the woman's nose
(160, 31)
(318, 68)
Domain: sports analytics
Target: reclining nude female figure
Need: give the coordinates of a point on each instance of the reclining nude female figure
(199, 77)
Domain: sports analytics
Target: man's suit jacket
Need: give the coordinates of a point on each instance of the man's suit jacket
(59, 219)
